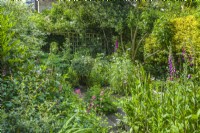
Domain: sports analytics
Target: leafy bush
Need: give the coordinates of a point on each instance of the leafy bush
(99, 73)
(100, 100)
(186, 34)
(156, 47)
(72, 77)
(8, 91)
(82, 65)
(178, 33)
(36, 98)
(42, 103)
(25, 28)
(21, 39)
(32, 108)
(122, 74)
(9, 52)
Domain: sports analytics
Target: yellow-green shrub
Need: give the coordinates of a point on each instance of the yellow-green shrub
(175, 33)
(186, 35)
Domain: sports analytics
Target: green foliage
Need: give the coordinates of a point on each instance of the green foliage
(9, 52)
(186, 31)
(169, 106)
(8, 90)
(35, 87)
(176, 32)
(55, 59)
(100, 100)
(99, 73)
(42, 103)
(72, 77)
(37, 98)
(82, 65)
(32, 108)
(122, 74)
(67, 128)
(25, 28)
(103, 19)
(156, 47)
(20, 38)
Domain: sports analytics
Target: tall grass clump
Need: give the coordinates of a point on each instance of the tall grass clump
(170, 106)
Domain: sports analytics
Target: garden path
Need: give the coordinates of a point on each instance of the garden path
(113, 121)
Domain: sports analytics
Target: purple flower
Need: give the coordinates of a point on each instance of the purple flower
(116, 45)
(172, 69)
(78, 91)
(93, 97)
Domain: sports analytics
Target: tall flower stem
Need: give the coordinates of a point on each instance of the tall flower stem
(172, 69)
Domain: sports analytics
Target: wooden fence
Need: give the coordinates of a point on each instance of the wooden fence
(83, 40)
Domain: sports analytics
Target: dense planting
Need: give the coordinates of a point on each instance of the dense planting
(98, 67)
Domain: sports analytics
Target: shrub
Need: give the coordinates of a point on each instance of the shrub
(82, 65)
(122, 74)
(100, 100)
(72, 77)
(42, 103)
(17, 24)
(10, 51)
(178, 33)
(99, 73)
(8, 91)
(157, 46)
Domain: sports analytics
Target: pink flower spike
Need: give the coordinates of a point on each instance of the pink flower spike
(116, 45)
(78, 91)
(93, 97)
